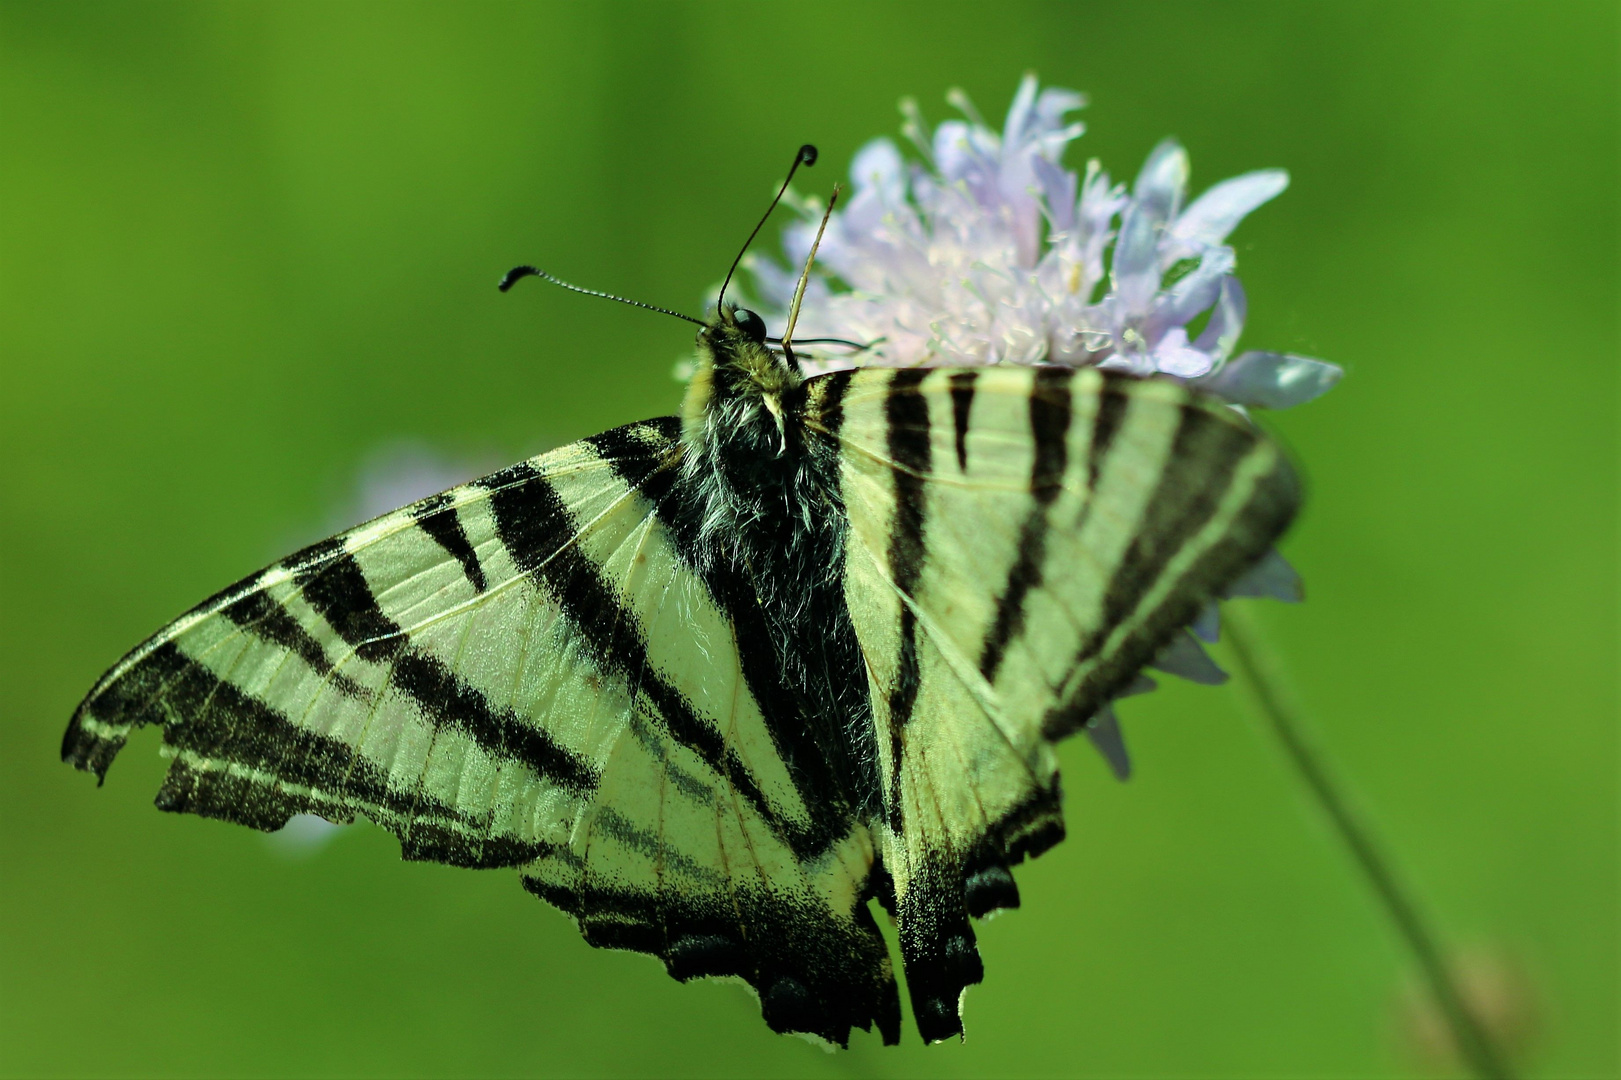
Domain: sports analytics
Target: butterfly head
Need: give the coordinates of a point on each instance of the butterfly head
(740, 380)
(745, 381)
(734, 344)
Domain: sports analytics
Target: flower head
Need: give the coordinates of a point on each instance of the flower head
(991, 252)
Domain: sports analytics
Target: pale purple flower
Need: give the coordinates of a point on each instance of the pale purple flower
(989, 251)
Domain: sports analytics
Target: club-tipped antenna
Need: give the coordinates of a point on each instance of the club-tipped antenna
(518, 273)
(804, 277)
(805, 156)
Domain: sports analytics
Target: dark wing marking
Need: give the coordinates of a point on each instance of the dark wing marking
(447, 531)
(962, 403)
(1050, 412)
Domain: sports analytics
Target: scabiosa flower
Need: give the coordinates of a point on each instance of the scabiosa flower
(993, 253)
(989, 251)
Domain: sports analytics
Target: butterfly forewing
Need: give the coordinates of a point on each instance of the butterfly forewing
(522, 672)
(1021, 542)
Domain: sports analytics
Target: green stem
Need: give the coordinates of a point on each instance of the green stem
(1260, 670)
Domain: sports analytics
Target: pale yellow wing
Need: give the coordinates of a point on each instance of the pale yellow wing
(1022, 541)
(525, 672)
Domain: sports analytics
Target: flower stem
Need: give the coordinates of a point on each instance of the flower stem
(1260, 669)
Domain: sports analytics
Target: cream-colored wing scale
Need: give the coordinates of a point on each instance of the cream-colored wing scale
(1022, 541)
(523, 672)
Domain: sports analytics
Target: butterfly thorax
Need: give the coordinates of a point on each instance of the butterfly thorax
(744, 449)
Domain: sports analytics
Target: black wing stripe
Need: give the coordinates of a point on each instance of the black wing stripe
(257, 613)
(786, 715)
(831, 406)
(217, 725)
(450, 702)
(1050, 413)
(539, 534)
(441, 522)
(962, 403)
(1111, 410)
(336, 587)
(907, 412)
(848, 986)
(1205, 453)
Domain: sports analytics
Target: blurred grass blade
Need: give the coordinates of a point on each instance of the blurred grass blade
(1263, 680)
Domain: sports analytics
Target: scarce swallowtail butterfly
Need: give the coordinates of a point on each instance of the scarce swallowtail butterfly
(710, 683)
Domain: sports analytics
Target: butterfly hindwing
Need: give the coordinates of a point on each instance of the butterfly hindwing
(1021, 542)
(524, 672)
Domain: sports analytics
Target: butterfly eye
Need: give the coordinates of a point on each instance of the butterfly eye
(752, 325)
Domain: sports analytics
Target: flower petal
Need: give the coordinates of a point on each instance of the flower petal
(1103, 730)
(1184, 656)
(1016, 130)
(1135, 269)
(1131, 363)
(1142, 684)
(1154, 200)
(1057, 193)
(878, 167)
(1174, 356)
(1220, 334)
(303, 836)
(1269, 380)
(953, 149)
(1053, 104)
(1207, 627)
(1194, 293)
(1162, 181)
(1100, 200)
(1216, 213)
(1271, 577)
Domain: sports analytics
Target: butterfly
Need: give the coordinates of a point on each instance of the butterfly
(711, 683)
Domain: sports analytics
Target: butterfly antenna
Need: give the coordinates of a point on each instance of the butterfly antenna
(518, 273)
(856, 345)
(804, 277)
(806, 156)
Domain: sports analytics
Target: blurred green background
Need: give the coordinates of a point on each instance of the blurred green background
(244, 246)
